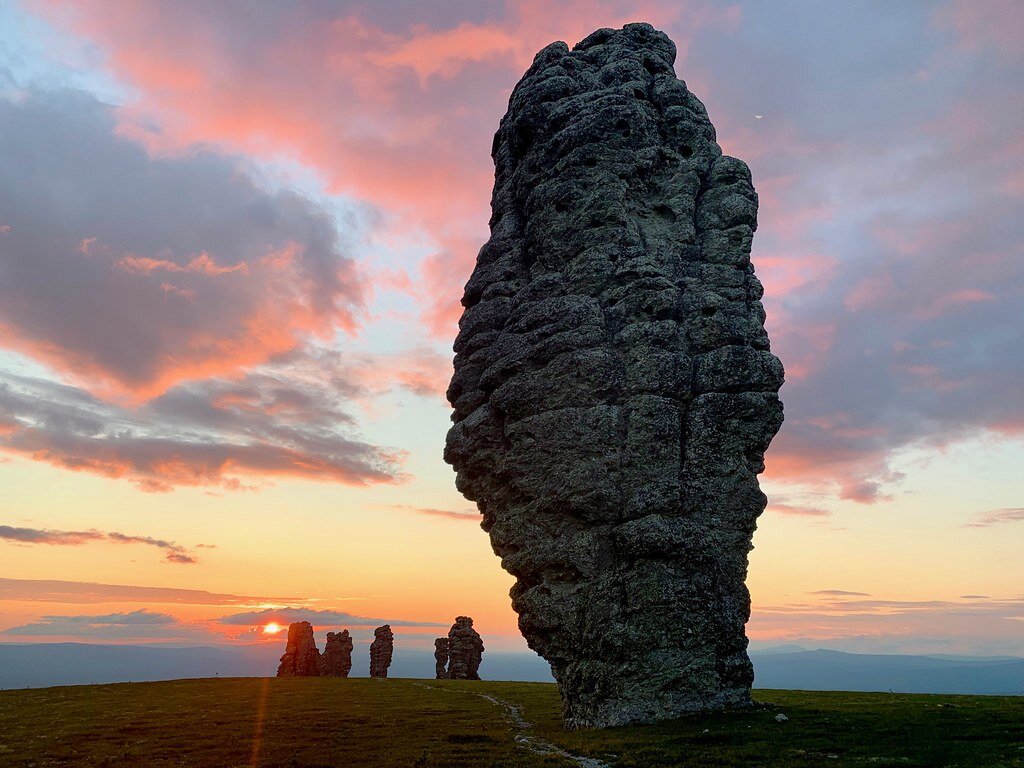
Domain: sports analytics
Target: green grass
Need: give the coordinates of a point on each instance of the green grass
(316, 723)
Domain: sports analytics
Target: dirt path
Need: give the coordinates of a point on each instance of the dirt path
(524, 736)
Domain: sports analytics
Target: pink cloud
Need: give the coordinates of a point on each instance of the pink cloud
(968, 625)
(797, 510)
(201, 264)
(466, 515)
(997, 517)
(982, 25)
(399, 118)
(84, 592)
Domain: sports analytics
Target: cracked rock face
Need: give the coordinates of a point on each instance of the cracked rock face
(301, 658)
(441, 658)
(614, 392)
(465, 650)
(337, 656)
(381, 650)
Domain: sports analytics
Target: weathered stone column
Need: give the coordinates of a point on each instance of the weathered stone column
(441, 658)
(614, 391)
(337, 656)
(381, 650)
(301, 658)
(465, 650)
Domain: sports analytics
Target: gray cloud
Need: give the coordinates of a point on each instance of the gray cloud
(214, 433)
(136, 273)
(141, 625)
(175, 553)
(317, 618)
(889, 242)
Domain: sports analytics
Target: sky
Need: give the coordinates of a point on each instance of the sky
(233, 240)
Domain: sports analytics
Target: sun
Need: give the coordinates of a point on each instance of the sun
(272, 628)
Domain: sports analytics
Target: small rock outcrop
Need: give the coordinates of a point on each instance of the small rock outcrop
(441, 658)
(614, 391)
(301, 657)
(337, 656)
(381, 650)
(465, 650)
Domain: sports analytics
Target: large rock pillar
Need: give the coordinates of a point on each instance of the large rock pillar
(614, 391)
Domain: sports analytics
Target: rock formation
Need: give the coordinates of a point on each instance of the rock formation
(381, 650)
(337, 657)
(441, 658)
(301, 658)
(614, 392)
(465, 649)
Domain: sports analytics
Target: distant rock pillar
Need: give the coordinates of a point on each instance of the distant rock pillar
(441, 658)
(381, 650)
(301, 658)
(337, 657)
(465, 650)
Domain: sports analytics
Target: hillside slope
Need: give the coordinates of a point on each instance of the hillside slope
(320, 722)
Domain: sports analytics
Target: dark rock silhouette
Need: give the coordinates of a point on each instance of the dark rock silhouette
(614, 392)
(465, 649)
(381, 650)
(337, 656)
(301, 658)
(441, 658)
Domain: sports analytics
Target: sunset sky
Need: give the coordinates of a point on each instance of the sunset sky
(233, 239)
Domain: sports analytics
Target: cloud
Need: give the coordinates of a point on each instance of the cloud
(800, 511)
(892, 285)
(55, 591)
(287, 421)
(983, 25)
(840, 593)
(136, 625)
(996, 517)
(890, 246)
(175, 553)
(470, 515)
(971, 625)
(131, 274)
(391, 107)
(289, 615)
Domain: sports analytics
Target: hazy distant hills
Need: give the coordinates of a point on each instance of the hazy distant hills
(786, 667)
(823, 670)
(43, 664)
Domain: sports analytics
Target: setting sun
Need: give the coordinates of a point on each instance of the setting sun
(272, 628)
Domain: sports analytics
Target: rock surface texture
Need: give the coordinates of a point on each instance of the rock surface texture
(441, 658)
(381, 650)
(465, 650)
(301, 658)
(614, 392)
(337, 657)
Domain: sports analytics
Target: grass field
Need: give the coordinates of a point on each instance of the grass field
(316, 723)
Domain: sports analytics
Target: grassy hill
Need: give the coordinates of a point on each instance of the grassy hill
(316, 723)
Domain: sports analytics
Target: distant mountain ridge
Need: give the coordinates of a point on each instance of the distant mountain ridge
(784, 667)
(824, 670)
